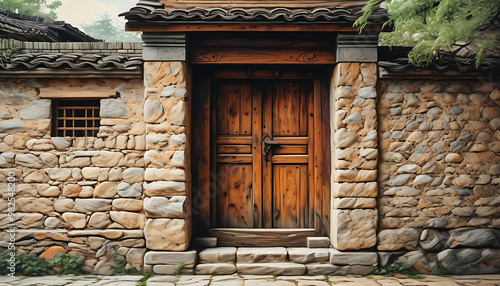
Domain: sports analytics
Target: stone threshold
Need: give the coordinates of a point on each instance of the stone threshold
(261, 261)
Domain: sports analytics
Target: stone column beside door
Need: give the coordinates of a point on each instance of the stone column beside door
(166, 113)
(353, 112)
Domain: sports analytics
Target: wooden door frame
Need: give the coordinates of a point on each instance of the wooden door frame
(203, 152)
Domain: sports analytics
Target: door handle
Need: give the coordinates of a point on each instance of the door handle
(267, 143)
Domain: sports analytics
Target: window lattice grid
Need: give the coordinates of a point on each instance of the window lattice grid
(77, 118)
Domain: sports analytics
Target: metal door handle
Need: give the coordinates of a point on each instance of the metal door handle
(267, 143)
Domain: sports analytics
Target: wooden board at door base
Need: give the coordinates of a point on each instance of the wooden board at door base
(259, 159)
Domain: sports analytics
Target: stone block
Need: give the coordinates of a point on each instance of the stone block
(112, 108)
(127, 205)
(308, 255)
(215, 269)
(156, 174)
(133, 175)
(353, 229)
(167, 234)
(354, 270)
(163, 188)
(129, 220)
(105, 190)
(107, 159)
(39, 109)
(354, 203)
(218, 255)
(395, 239)
(126, 190)
(353, 258)
(161, 207)
(261, 254)
(168, 270)
(92, 205)
(320, 269)
(367, 190)
(40, 205)
(318, 242)
(76, 220)
(355, 175)
(135, 256)
(171, 258)
(279, 268)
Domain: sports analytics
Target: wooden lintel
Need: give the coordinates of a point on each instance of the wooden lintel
(232, 27)
(206, 55)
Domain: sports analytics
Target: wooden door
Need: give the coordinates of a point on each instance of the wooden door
(262, 156)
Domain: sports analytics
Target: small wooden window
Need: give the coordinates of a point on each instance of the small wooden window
(76, 118)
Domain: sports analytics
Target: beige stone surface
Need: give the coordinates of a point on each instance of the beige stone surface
(76, 220)
(218, 255)
(277, 268)
(129, 220)
(167, 234)
(215, 269)
(105, 190)
(261, 254)
(354, 229)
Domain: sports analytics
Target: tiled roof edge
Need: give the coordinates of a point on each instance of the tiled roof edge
(143, 12)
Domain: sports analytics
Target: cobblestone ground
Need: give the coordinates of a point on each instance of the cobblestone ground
(246, 280)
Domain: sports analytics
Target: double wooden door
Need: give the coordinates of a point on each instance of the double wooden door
(262, 158)
(258, 159)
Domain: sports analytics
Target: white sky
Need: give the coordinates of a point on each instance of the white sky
(76, 12)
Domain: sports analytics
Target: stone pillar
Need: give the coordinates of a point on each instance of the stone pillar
(354, 144)
(166, 113)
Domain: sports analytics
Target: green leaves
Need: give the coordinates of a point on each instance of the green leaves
(65, 264)
(34, 265)
(108, 29)
(399, 268)
(432, 26)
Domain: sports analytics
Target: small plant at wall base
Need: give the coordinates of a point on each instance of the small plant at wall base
(67, 264)
(179, 267)
(26, 264)
(398, 267)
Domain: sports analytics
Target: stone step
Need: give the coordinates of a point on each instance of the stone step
(321, 269)
(318, 242)
(308, 255)
(218, 255)
(353, 258)
(171, 258)
(285, 268)
(215, 268)
(261, 254)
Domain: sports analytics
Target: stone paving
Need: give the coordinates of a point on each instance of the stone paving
(251, 280)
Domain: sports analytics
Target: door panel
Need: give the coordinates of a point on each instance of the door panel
(263, 154)
(234, 195)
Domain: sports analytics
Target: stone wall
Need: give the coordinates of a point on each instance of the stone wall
(439, 171)
(75, 195)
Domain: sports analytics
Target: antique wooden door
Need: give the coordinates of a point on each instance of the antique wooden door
(262, 161)
(259, 154)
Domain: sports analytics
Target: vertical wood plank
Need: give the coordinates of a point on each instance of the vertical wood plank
(310, 152)
(318, 146)
(326, 155)
(215, 120)
(221, 101)
(303, 198)
(267, 170)
(257, 153)
(222, 183)
(303, 107)
(235, 207)
(233, 112)
(245, 109)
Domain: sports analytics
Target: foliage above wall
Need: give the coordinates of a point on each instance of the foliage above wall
(433, 25)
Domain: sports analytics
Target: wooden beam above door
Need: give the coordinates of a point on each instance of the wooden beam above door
(262, 48)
